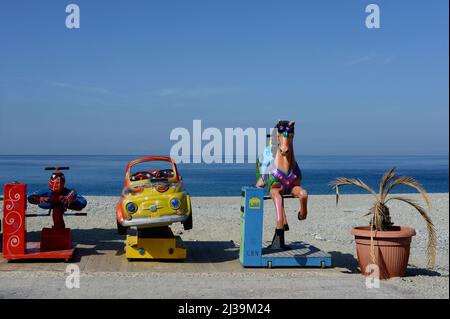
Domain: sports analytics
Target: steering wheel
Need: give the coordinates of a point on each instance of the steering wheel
(139, 176)
(166, 173)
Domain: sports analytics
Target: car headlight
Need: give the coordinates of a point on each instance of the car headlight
(131, 207)
(175, 203)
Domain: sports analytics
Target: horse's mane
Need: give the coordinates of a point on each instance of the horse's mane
(291, 157)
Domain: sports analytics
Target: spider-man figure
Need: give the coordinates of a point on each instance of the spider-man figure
(58, 198)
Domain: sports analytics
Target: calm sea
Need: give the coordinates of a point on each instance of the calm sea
(104, 175)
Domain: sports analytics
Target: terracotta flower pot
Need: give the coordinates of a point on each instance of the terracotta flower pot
(391, 250)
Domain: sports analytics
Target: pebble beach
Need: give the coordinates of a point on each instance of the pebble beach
(212, 269)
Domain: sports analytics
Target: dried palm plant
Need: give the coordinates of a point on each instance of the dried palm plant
(380, 215)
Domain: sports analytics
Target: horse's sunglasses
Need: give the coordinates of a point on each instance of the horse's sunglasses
(285, 130)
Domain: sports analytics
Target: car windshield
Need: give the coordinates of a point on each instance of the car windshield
(152, 171)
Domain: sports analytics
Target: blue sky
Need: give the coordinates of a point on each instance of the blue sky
(137, 69)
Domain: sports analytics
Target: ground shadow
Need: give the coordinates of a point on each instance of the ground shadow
(200, 252)
(350, 263)
(414, 271)
(346, 261)
(102, 240)
(299, 247)
(211, 251)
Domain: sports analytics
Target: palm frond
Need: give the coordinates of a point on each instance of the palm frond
(432, 238)
(371, 211)
(411, 182)
(375, 220)
(378, 217)
(337, 195)
(344, 181)
(387, 177)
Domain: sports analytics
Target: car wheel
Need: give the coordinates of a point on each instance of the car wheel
(120, 229)
(187, 224)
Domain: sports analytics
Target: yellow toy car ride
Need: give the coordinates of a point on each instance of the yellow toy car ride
(153, 197)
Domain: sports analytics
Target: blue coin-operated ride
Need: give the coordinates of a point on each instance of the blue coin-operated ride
(252, 253)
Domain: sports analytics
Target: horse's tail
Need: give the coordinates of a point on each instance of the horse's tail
(258, 174)
(260, 180)
(263, 164)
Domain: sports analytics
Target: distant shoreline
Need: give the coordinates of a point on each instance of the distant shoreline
(104, 175)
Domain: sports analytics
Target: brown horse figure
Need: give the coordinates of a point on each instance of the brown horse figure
(283, 176)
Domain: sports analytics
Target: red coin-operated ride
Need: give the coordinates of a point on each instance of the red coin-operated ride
(56, 242)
